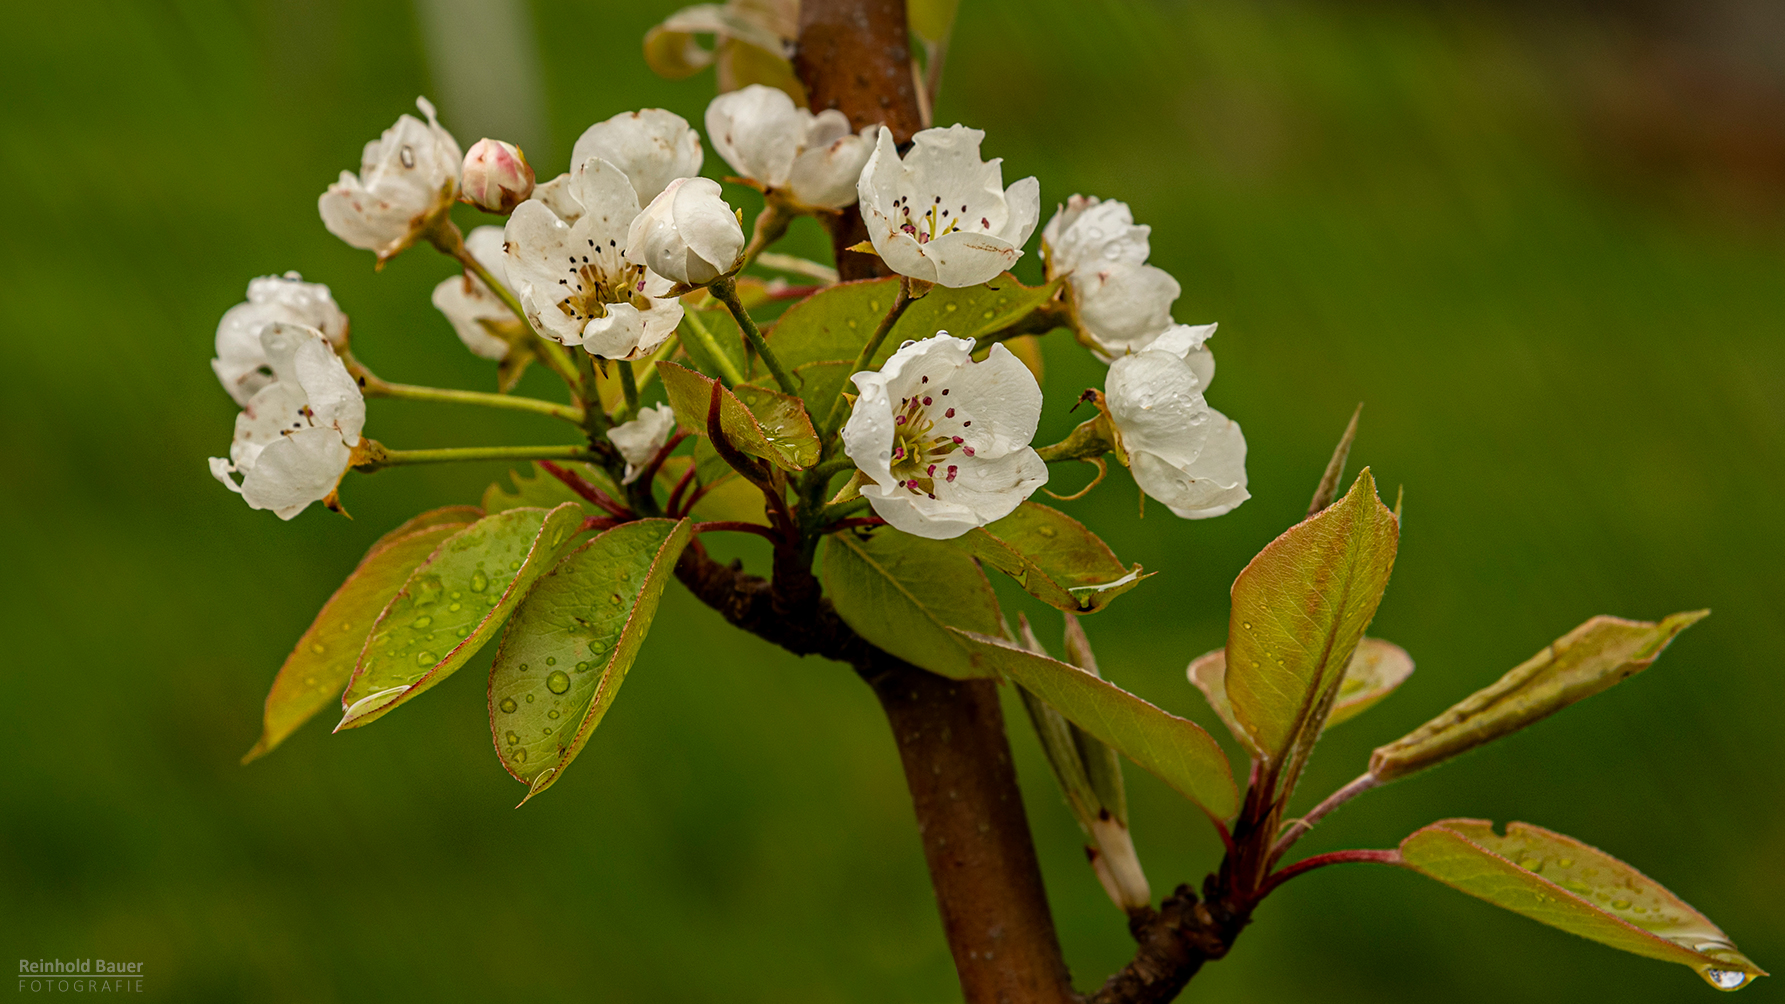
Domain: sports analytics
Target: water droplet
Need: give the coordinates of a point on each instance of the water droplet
(1565, 863)
(315, 647)
(479, 582)
(597, 647)
(455, 607)
(1246, 624)
(455, 594)
(951, 308)
(508, 707)
(425, 658)
(551, 714)
(558, 682)
(582, 667)
(551, 660)
(520, 755)
(464, 632)
(615, 599)
(529, 698)
(1725, 979)
(523, 667)
(421, 622)
(548, 730)
(512, 738)
(494, 600)
(1620, 904)
(990, 314)
(514, 566)
(1046, 531)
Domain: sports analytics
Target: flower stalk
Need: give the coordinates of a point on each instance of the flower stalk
(725, 289)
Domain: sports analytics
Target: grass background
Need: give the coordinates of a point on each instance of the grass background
(1574, 367)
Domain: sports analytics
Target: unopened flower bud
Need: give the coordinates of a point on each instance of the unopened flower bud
(496, 178)
(687, 234)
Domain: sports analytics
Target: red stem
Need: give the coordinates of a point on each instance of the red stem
(648, 473)
(1389, 857)
(675, 494)
(739, 527)
(844, 524)
(577, 483)
(597, 523)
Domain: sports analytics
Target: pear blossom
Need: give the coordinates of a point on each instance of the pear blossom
(687, 234)
(241, 362)
(407, 180)
(1121, 302)
(640, 439)
(815, 160)
(294, 438)
(1181, 451)
(652, 147)
(945, 439)
(472, 307)
(569, 273)
(496, 177)
(941, 214)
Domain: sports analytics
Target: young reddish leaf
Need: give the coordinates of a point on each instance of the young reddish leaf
(1580, 664)
(569, 645)
(451, 605)
(1053, 557)
(902, 594)
(1175, 749)
(1559, 881)
(1377, 668)
(323, 659)
(758, 421)
(1299, 609)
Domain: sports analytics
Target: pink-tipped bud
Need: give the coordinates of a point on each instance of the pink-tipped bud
(496, 178)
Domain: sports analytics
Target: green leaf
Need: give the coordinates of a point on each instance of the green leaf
(565, 653)
(902, 594)
(453, 604)
(452, 514)
(1175, 749)
(714, 331)
(931, 20)
(758, 421)
(1299, 609)
(1559, 881)
(834, 323)
(323, 659)
(1377, 667)
(539, 490)
(1580, 664)
(820, 382)
(1053, 557)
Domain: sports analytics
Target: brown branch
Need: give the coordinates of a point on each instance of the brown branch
(1174, 941)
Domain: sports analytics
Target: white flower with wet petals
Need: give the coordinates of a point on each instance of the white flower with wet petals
(294, 439)
(946, 439)
(1120, 301)
(241, 362)
(811, 160)
(570, 276)
(639, 440)
(941, 214)
(651, 147)
(473, 309)
(407, 180)
(687, 234)
(1181, 451)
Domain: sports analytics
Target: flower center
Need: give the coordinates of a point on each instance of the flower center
(935, 221)
(920, 452)
(599, 278)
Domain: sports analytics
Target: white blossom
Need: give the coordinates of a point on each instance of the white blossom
(941, 214)
(241, 362)
(946, 439)
(1181, 451)
(496, 177)
(407, 180)
(1121, 302)
(813, 159)
(687, 234)
(651, 147)
(471, 306)
(569, 273)
(294, 438)
(640, 439)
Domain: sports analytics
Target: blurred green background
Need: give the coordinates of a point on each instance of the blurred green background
(1543, 245)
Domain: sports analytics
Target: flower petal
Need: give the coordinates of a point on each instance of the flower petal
(299, 469)
(653, 147)
(1001, 399)
(1212, 485)
(1124, 306)
(1157, 404)
(334, 398)
(758, 131)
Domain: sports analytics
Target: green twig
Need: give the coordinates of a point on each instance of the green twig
(866, 355)
(726, 289)
(374, 386)
(629, 387)
(371, 456)
(698, 335)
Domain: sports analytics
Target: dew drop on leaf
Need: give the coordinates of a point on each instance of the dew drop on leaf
(426, 658)
(1726, 979)
(551, 714)
(508, 706)
(558, 682)
(479, 582)
(512, 738)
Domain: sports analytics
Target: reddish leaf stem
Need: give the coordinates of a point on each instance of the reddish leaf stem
(648, 473)
(844, 524)
(675, 494)
(1277, 878)
(738, 526)
(577, 483)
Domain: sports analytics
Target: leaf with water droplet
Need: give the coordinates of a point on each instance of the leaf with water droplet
(1175, 749)
(536, 489)
(1377, 668)
(757, 421)
(323, 659)
(1581, 663)
(565, 607)
(492, 543)
(1053, 557)
(1552, 879)
(902, 593)
(1307, 598)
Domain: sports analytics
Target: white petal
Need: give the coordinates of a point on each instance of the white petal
(607, 199)
(1124, 306)
(548, 320)
(1001, 399)
(241, 363)
(1023, 199)
(334, 397)
(1092, 234)
(868, 435)
(275, 410)
(1158, 407)
(640, 439)
(615, 335)
(538, 243)
(825, 174)
(406, 175)
(653, 147)
(1212, 485)
(966, 258)
(280, 342)
(486, 245)
(687, 233)
(1182, 339)
(299, 469)
(467, 304)
(982, 492)
(758, 131)
(221, 469)
(555, 195)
